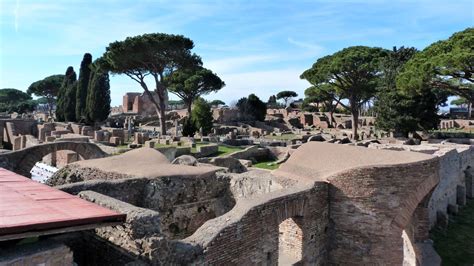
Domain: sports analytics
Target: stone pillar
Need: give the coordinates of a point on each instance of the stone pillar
(99, 135)
(150, 144)
(16, 143)
(23, 141)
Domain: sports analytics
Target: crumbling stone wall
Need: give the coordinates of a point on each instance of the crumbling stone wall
(251, 236)
(254, 183)
(186, 203)
(451, 189)
(139, 234)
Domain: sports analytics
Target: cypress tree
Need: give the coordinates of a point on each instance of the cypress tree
(82, 86)
(98, 95)
(63, 104)
(70, 96)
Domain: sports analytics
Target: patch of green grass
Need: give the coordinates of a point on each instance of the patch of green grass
(159, 145)
(455, 245)
(264, 165)
(225, 150)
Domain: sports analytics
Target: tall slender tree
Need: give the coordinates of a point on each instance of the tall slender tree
(61, 100)
(66, 109)
(98, 94)
(82, 85)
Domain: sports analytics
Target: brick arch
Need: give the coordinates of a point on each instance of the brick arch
(23, 160)
(416, 199)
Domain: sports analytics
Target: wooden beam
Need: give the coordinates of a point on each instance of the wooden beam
(56, 231)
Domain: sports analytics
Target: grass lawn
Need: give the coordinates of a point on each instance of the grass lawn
(225, 150)
(264, 165)
(456, 244)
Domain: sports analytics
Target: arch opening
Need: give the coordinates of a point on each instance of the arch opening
(290, 241)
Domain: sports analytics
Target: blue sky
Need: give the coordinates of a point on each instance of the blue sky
(255, 46)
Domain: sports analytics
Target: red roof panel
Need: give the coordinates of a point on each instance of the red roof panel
(26, 205)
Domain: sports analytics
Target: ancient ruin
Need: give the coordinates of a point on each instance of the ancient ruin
(260, 142)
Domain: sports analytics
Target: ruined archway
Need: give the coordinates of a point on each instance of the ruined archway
(290, 241)
(23, 160)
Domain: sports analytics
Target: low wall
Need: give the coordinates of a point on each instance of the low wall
(208, 150)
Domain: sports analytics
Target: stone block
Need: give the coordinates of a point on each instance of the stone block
(76, 129)
(99, 135)
(150, 144)
(165, 141)
(59, 133)
(141, 137)
(115, 141)
(208, 150)
(16, 143)
(23, 141)
(107, 135)
(87, 131)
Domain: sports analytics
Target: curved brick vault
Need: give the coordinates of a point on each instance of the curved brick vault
(355, 204)
(23, 160)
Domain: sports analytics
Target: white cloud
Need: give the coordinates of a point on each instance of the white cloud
(309, 46)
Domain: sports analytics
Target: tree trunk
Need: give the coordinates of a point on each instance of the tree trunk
(331, 117)
(162, 116)
(50, 107)
(469, 110)
(188, 105)
(355, 123)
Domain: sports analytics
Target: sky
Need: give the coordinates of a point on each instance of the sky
(259, 46)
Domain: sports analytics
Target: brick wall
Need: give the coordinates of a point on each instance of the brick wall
(370, 207)
(254, 238)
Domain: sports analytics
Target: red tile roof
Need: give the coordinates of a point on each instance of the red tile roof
(26, 205)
